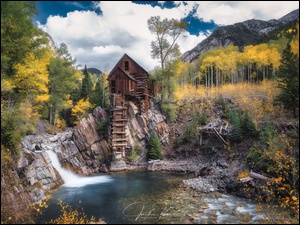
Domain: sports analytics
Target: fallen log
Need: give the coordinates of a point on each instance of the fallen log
(259, 176)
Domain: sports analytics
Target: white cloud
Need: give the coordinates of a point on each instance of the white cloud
(96, 40)
(107, 50)
(230, 12)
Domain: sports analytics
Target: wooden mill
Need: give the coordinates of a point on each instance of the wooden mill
(128, 81)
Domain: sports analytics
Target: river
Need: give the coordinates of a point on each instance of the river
(141, 197)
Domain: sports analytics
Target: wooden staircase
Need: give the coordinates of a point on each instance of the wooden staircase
(142, 89)
(118, 118)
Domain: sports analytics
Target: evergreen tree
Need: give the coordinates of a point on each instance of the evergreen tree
(100, 96)
(154, 147)
(288, 81)
(63, 81)
(87, 84)
(234, 119)
(248, 125)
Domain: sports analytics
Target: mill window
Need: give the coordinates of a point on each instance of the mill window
(113, 86)
(126, 63)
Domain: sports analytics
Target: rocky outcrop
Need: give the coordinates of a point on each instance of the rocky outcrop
(140, 125)
(27, 181)
(81, 150)
(138, 130)
(171, 166)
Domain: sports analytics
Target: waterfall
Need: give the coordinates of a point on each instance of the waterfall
(71, 179)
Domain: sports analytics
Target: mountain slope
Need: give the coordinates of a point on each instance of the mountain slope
(249, 32)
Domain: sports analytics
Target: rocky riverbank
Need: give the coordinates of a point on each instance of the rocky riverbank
(85, 151)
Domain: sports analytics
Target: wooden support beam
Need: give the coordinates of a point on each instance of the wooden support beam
(119, 145)
(120, 139)
(219, 136)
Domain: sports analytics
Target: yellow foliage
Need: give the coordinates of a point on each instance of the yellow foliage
(243, 174)
(7, 85)
(277, 180)
(80, 110)
(42, 98)
(30, 114)
(295, 42)
(256, 98)
(32, 77)
(73, 216)
(60, 124)
(67, 103)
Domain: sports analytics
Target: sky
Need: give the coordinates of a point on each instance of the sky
(98, 33)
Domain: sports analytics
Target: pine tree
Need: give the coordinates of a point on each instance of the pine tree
(64, 79)
(100, 96)
(154, 147)
(87, 84)
(234, 119)
(248, 125)
(288, 81)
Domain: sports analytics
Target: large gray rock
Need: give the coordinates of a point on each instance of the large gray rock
(78, 150)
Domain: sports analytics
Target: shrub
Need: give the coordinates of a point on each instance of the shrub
(102, 127)
(137, 148)
(176, 144)
(154, 147)
(236, 132)
(248, 125)
(170, 111)
(73, 216)
(81, 109)
(60, 124)
(132, 156)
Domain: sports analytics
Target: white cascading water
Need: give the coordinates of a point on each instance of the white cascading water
(73, 180)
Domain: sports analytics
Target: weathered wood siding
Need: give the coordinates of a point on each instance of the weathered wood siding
(120, 83)
(130, 79)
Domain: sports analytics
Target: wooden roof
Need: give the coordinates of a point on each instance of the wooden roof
(118, 63)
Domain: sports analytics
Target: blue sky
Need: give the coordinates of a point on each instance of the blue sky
(98, 33)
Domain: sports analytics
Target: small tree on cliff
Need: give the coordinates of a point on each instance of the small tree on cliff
(154, 148)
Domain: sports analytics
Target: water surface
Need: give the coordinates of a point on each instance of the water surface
(142, 197)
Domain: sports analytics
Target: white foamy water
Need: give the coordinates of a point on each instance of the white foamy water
(73, 180)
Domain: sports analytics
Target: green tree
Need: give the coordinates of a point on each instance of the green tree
(12, 128)
(100, 95)
(17, 32)
(154, 147)
(165, 30)
(64, 79)
(248, 125)
(288, 81)
(87, 84)
(23, 71)
(236, 132)
(165, 48)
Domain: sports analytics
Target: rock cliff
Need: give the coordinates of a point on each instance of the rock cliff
(83, 150)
